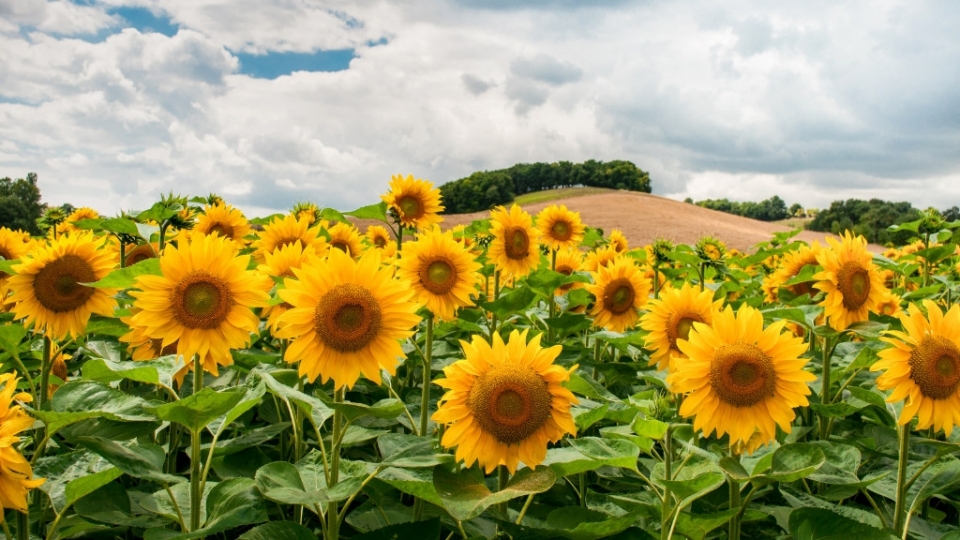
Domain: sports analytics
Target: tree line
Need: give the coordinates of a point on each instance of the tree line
(485, 189)
(772, 209)
(20, 205)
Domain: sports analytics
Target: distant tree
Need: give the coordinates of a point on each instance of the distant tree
(688, 200)
(772, 209)
(868, 218)
(796, 210)
(20, 204)
(951, 214)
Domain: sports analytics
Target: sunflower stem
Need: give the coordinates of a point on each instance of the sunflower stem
(825, 386)
(734, 533)
(44, 373)
(23, 524)
(523, 511)
(667, 502)
(583, 490)
(6, 530)
(553, 302)
(656, 281)
(503, 476)
(899, 512)
(496, 294)
(425, 394)
(333, 524)
(196, 487)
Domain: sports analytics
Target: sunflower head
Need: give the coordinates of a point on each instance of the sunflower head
(514, 248)
(600, 257)
(671, 317)
(619, 241)
(505, 402)
(560, 228)
(378, 236)
(740, 378)
(346, 238)
(620, 290)
(306, 210)
(17, 478)
(413, 202)
(141, 252)
(286, 230)
(662, 248)
(711, 250)
(569, 261)
(851, 282)
(75, 216)
(223, 220)
(790, 266)
(443, 273)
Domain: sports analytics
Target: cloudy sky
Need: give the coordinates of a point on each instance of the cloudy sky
(267, 103)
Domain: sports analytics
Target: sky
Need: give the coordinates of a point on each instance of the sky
(271, 102)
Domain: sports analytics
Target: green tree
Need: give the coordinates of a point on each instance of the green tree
(20, 204)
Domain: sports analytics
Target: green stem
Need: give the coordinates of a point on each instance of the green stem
(503, 476)
(583, 489)
(666, 503)
(123, 252)
(899, 512)
(196, 471)
(496, 294)
(425, 394)
(333, 524)
(23, 524)
(399, 238)
(523, 511)
(825, 386)
(163, 235)
(44, 372)
(6, 530)
(701, 271)
(734, 503)
(656, 281)
(553, 302)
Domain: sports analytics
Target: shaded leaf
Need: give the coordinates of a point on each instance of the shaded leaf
(197, 410)
(125, 278)
(465, 495)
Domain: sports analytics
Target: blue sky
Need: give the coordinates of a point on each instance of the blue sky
(113, 102)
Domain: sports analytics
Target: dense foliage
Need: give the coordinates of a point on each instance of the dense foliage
(772, 209)
(868, 218)
(20, 204)
(485, 189)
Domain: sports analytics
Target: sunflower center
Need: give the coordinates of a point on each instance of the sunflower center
(341, 245)
(58, 284)
(438, 276)
(5, 254)
(223, 229)
(561, 231)
(853, 281)
(565, 270)
(284, 242)
(380, 242)
(680, 326)
(935, 367)
(619, 296)
(202, 301)
(140, 253)
(347, 318)
(510, 402)
(410, 206)
(742, 375)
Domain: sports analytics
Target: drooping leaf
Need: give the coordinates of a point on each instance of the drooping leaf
(138, 460)
(197, 410)
(825, 524)
(62, 469)
(10, 337)
(374, 211)
(80, 400)
(465, 496)
(276, 530)
(410, 451)
(125, 278)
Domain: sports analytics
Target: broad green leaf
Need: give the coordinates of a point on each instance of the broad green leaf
(402, 450)
(792, 462)
(159, 502)
(106, 326)
(385, 408)
(941, 478)
(80, 487)
(111, 505)
(824, 524)
(465, 495)
(586, 386)
(121, 225)
(650, 427)
(578, 523)
(318, 411)
(62, 469)
(250, 398)
(229, 504)
(545, 281)
(249, 438)
(374, 211)
(10, 337)
(842, 462)
(691, 489)
(421, 530)
(80, 400)
(733, 468)
(197, 410)
(800, 499)
(585, 417)
(7, 266)
(627, 433)
(305, 483)
(278, 530)
(156, 372)
(332, 214)
(138, 460)
(416, 482)
(510, 302)
(125, 278)
(613, 452)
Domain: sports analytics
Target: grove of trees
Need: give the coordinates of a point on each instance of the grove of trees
(486, 189)
(869, 218)
(20, 204)
(772, 209)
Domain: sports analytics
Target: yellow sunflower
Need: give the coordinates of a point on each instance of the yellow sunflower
(48, 288)
(851, 281)
(560, 228)
(671, 317)
(16, 474)
(619, 241)
(224, 220)
(204, 300)
(441, 271)
(13, 246)
(505, 402)
(741, 379)
(80, 213)
(514, 249)
(413, 201)
(599, 258)
(346, 318)
(280, 264)
(790, 267)
(569, 261)
(620, 290)
(141, 252)
(711, 250)
(378, 237)
(889, 305)
(283, 231)
(923, 367)
(306, 210)
(346, 238)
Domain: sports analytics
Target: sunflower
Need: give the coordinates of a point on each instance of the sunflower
(505, 402)
(619, 241)
(13, 246)
(346, 238)
(204, 298)
(560, 228)
(280, 264)
(16, 474)
(58, 368)
(569, 261)
(79, 214)
(306, 210)
(790, 267)
(48, 288)
(889, 305)
(414, 202)
(141, 252)
(283, 231)
(599, 258)
(711, 250)
(346, 318)
(513, 250)
(224, 220)
(852, 283)
(671, 317)
(378, 237)
(923, 366)
(739, 378)
(143, 348)
(620, 290)
(441, 271)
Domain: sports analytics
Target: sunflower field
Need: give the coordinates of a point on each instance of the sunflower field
(185, 372)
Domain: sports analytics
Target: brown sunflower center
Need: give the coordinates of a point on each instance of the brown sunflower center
(712, 252)
(140, 253)
(510, 402)
(619, 295)
(853, 281)
(225, 230)
(201, 300)
(284, 242)
(410, 206)
(565, 270)
(159, 350)
(342, 245)
(741, 374)
(58, 284)
(438, 276)
(5, 254)
(680, 325)
(380, 242)
(561, 231)
(347, 318)
(935, 367)
(516, 243)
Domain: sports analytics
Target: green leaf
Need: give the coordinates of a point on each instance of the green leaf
(650, 427)
(402, 450)
(304, 483)
(111, 505)
(586, 386)
(416, 482)
(421, 530)
(278, 530)
(465, 495)
(159, 502)
(197, 410)
(249, 438)
(613, 452)
(125, 278)
(691, 489)
(229, 504)
(138, 460)
(251, 398)
(374, 211)
(586, 417)
(513, 301)
(578, 523)
(824, 524)
(385, 408)
(545, 282)
(842, 462)
(78, 488)
(792, 462)
(939, 479)
(120, 225)
(7, 266)
(318, 411)
(10, 337)
(156, 372)
(80, 400)
(106, 326)
(64, 468)
(733, 468)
